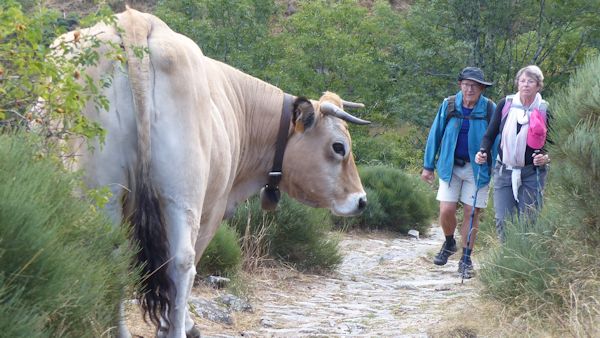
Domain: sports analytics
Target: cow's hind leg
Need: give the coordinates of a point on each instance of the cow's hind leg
(114, 210)
(191, 330)
(182, 229)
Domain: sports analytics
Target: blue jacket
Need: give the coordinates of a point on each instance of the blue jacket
(444, 143)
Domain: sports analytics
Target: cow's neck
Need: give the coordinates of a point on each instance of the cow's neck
(259, 121)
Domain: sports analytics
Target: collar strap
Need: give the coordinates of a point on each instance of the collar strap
(282, 137)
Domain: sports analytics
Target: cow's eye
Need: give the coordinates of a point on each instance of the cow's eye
(339, 148)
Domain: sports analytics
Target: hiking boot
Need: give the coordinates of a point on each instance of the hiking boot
(447, 250)
(465, 269)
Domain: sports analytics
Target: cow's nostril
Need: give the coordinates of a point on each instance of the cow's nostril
(362, 203)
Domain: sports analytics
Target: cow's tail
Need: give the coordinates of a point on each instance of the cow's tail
(143, 203)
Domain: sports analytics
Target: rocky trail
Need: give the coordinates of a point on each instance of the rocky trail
(386, 286)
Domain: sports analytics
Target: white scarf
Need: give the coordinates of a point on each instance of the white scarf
(513, 145)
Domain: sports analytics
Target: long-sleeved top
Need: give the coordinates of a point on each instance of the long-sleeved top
(443, 137)
(497, 126)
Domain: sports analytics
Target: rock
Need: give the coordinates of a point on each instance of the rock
(217, 282)
(235, 303)
(211, 311)
(413, 233)
(266, 322)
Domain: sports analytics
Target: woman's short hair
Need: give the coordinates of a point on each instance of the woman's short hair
(532, 71)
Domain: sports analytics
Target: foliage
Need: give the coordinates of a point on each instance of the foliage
(302, 237)
(576, 150)
(400, 148)
(294, 233)
(223, 255)
(396, 201)
(441, 37)
(372, 217)
(523, 268)
(40, 89)
(401, 64)
(338, 46)
(230, 31)
(60, 275)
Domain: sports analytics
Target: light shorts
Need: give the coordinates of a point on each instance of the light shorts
(462, 187)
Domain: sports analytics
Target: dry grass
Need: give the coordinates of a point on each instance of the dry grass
(253, 286)
(489, 318)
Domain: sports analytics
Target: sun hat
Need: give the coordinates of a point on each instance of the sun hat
(473, 74)
(536, 135)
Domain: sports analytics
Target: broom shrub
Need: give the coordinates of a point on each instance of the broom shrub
(60, 275)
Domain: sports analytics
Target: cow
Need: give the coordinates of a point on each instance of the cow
(187, 139)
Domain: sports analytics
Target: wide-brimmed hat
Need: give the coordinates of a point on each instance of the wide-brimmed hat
(473, 74)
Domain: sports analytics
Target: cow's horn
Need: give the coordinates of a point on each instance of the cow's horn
(350, 104)
(331, 109)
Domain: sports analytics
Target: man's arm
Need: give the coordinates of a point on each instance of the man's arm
(433, 142)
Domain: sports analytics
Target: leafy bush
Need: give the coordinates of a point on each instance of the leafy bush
(372, 216)
(400, 148)
(294, 233)
(521, 268)
(60, 275)
(396, 201)
(40, 86)
(223, 254)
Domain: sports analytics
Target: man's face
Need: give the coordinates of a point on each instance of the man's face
(471, 90)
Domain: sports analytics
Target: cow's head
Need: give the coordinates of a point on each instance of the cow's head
(318, 165)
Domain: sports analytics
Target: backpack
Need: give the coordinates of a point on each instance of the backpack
(451, 111)
(536, 137)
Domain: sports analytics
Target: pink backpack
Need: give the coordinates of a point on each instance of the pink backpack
(538, 130)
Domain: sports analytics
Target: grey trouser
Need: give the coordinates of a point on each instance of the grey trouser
(530, 195)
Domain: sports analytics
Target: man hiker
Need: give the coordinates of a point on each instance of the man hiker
(454, 139)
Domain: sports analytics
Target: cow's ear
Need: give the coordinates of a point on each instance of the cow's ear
(304, 114)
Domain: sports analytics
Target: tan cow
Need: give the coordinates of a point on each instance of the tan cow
(188, 138)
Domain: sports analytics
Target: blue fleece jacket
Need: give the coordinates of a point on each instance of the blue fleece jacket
(442, 140)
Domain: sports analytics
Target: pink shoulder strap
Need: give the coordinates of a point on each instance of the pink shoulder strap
(506, 107)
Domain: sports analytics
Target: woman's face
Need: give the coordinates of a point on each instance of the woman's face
(528, 86)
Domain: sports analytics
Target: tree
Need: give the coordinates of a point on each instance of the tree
(229, 31)
(39, 86)
(504, 36)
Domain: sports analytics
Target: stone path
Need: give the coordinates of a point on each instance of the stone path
(386, 286)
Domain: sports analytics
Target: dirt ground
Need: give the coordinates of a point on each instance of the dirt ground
(386, 286)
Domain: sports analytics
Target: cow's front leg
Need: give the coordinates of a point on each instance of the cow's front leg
(183, 225)
(123, 331)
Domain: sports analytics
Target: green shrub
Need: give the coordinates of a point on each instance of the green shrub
(400, 201)
(521, 270)
(400, 148)
(373, 215)
(223, 255)
(295, 233)
(302, 236)
(60, 275)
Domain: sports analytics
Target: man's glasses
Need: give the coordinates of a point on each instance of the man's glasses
(469, 85)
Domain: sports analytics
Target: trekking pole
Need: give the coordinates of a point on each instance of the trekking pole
(462, 275)
(539, 187)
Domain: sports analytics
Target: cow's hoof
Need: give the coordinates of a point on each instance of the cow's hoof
(162, 332)
(194, 332)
